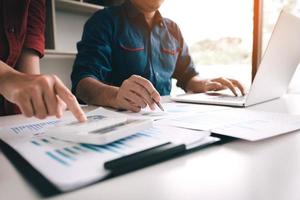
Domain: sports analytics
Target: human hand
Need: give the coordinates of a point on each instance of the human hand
(135, 93)
(222, 83)
(39, 95)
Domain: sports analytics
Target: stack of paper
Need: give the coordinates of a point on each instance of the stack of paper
(70, 165)
(240, 123)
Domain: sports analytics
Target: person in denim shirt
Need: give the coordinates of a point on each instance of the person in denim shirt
(129, 54)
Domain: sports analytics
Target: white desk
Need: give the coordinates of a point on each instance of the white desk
(268, 169)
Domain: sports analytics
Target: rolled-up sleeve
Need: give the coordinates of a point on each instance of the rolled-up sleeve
(35, 38)
(94, 51)
(185, 68)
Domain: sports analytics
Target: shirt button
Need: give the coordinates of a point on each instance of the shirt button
(11, 30)
(161, 24)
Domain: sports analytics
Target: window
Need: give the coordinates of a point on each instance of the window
(218, 33)
(271, 11)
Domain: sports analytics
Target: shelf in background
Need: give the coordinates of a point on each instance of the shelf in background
(77, 6)
(55, 53)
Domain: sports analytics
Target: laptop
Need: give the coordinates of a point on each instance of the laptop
(275, 71)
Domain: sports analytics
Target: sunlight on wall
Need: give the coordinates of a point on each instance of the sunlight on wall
(210, 19)
(218, 33)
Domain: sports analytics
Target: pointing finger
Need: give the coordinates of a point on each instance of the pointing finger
(64, 93)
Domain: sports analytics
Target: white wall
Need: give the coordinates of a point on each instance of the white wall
(69, 27)
(61, 65)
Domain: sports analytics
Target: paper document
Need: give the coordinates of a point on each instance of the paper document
(70, 165)
(172, 109)
(240, 123)
(191, 138)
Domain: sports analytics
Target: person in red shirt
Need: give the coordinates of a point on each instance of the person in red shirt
(22, 25)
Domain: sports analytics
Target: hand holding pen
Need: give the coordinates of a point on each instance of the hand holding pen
(159, 105)
(135, 93)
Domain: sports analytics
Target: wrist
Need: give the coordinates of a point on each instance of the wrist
(196, 85)
(113, 99)
(5, 78)
(6, 70)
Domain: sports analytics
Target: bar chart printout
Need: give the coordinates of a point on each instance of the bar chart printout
(70, 165)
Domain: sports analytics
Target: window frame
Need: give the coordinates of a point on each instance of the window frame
(257, 35)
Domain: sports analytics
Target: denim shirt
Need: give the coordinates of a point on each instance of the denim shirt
(117, 43)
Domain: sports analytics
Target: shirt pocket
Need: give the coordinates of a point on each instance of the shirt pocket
(131, 55)
(169, 51)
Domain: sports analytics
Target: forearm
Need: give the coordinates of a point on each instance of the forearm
(29, 62)
(94, 92)
(5, 74)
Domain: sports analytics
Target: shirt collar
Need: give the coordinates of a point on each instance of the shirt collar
(133, 12)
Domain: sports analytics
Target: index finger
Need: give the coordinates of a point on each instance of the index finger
(148, 86)
(227, 83)
(239, 85)
(64, 93)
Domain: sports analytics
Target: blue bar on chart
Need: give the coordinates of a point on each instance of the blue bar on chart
(33, 127)
(69, 153)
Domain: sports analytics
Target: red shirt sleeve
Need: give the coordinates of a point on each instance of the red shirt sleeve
(35, 38)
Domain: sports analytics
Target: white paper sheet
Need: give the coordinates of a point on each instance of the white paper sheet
(191, 138)
(240, 123)
(172, 109)
(70, 165)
